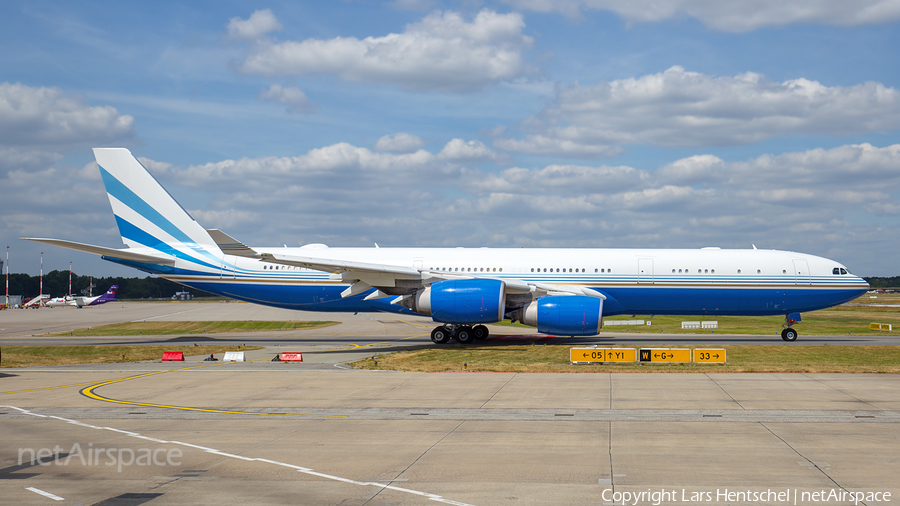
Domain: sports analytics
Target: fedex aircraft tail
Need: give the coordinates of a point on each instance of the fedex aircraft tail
(110, 294)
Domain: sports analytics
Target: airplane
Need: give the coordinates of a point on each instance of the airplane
(560, 291)
(81, 301)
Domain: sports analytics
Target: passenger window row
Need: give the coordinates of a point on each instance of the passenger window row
(551, 269)
(467, 269)
(713, 271)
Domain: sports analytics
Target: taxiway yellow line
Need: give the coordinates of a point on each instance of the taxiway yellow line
(89, 392)
(44, 388)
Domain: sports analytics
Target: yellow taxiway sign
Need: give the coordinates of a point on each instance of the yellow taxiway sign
(665, 356)
(603, 355)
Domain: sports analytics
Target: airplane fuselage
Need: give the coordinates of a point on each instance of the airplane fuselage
(708, 281)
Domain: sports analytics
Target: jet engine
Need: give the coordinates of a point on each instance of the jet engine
(574, 315)
(460, 301)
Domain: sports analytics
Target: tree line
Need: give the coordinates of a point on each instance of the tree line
(879, 282)
(56, 284)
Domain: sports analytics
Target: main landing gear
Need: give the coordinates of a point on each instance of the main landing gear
(463, 334)
(789, 334)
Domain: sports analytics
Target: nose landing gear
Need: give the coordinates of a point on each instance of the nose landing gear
(789, 334)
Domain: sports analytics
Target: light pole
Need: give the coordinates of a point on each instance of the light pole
(7, 276)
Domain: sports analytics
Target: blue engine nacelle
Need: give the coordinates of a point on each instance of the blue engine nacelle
(462, 301)
(574, 315)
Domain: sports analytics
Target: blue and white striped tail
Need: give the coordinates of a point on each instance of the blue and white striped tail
(147, 215)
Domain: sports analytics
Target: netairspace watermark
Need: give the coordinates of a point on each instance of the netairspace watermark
(769, 496)
(119, 457)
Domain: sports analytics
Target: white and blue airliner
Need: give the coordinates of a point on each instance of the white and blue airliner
(557, 290)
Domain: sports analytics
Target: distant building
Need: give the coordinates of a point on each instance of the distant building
(14, 300)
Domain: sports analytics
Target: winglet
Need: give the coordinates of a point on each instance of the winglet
(231, 246)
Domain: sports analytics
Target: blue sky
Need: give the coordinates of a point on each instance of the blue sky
(580, 123)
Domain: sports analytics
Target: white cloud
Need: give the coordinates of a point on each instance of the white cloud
(557, 179)
(400, 142)
(731, 16)
(441, 52)
(460, 151)
(151, 165)
(38, 124)
(26, 158)
(681, 108)
(260, 23)
(331, 165)
(293, 97)
(48, 117)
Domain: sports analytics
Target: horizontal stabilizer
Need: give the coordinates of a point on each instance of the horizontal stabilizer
(231, 246)
(123, 254)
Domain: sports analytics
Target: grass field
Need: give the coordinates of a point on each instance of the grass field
(24, 356)
(853, 318)
(555, 358)
(209, 327)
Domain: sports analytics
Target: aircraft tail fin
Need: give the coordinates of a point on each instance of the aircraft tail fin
(148, 216)
(110, 294)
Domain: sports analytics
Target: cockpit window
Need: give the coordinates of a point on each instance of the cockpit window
(844, 271)
(836, 270)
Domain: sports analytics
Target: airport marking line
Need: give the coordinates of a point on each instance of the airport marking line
(89, 392)
(45, 494)
(46, 388)
(357, 346)
(169, 314)
(304, 470)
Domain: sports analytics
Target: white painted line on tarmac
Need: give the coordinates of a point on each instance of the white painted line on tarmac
(45, 494)
(164, 315)
(304, 470)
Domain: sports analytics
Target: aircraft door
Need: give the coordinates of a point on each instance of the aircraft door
(228, 272)
(645, 270)
(801, 273)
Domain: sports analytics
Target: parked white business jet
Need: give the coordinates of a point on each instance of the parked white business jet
(559, 291)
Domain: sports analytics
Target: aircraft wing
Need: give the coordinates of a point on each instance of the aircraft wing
(342, 266)
(365, 276)
(124, 254)
(387, 279)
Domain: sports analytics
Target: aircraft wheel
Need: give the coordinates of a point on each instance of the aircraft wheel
(789, 334)
(440, 335)
(465, 335)
(481, 332)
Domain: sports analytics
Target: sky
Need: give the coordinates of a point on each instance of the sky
(516, 123)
